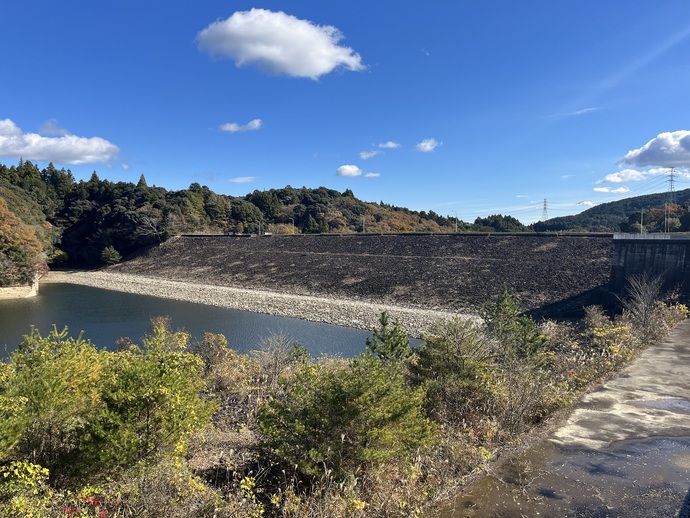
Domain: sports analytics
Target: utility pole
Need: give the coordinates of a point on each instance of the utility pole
(545, 212)
(456, 221)
(642, 222)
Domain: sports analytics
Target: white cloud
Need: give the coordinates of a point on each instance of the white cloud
(365, 155)
(669, 149)
(279, 44)
(64, 149)
(349, 170)
(632, 175)
(243, 179)
(428, 145)
(389, 145)
(233, 127)
(587, 203)
(617, 190)
(372, 175)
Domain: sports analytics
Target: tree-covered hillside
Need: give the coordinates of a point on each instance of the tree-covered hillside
(621, 216)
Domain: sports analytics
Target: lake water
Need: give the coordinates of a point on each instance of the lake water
(105, 316)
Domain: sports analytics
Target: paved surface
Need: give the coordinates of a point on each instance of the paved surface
(623, 452)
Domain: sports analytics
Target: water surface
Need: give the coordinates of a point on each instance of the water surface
(104, 316)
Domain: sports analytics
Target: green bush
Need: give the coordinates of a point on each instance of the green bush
(456, 365)
(340, 419)
(85, 414)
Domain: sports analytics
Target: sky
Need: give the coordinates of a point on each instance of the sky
(464, 108)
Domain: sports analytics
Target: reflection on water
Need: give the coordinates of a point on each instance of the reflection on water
(105, 316)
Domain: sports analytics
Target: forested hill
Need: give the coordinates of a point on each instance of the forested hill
(626, 215)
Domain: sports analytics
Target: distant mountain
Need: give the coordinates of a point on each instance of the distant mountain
(620, 216)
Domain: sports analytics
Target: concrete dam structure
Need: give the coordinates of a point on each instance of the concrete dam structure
(666, 255)
(551, 275)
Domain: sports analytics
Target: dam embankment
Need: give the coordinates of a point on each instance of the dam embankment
(458, 272)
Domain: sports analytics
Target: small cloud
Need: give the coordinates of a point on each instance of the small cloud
(233, 127)
(349, 170)
(428, 145)
(566, 176)
(63, 149)
(521, 196)
(279, 43)
(243, 179)
(125, 166)
(389, 145)
(669, 149)
(617, 190)
(50, 127)
(372, 175)
(365, 155)
(587, 203)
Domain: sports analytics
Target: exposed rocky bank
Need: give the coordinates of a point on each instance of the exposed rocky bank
(456, 272)
(349, 280)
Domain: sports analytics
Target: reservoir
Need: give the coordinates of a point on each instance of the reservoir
(105, 316)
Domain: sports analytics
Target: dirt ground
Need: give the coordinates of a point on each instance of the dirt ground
(552, 275)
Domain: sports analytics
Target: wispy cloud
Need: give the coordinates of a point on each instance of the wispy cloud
(233, 127)
(612, 190)
(372, 175)
(63, 149)
(366, 155)
(428, 145)
(348, 170)
(243, 179)
(574, 113)
(279, 43)
(389, 145)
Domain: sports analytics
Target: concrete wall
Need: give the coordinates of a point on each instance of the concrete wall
(655, 254)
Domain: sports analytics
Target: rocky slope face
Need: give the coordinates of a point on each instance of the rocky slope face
(550, 274)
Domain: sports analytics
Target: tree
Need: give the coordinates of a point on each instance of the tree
(342, 419)
(389, 343)
(110, 256)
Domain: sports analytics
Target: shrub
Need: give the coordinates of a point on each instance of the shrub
(85, 414)
(455, 363)
(343, 419)
(517, 334)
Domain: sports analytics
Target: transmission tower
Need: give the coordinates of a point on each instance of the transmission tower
(670, 199)
(545, 212)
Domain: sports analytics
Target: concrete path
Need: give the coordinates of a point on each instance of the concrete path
(623, 452)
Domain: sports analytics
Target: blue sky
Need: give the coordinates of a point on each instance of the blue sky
(464, 108)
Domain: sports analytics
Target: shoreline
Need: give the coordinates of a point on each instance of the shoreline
(327, 310)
